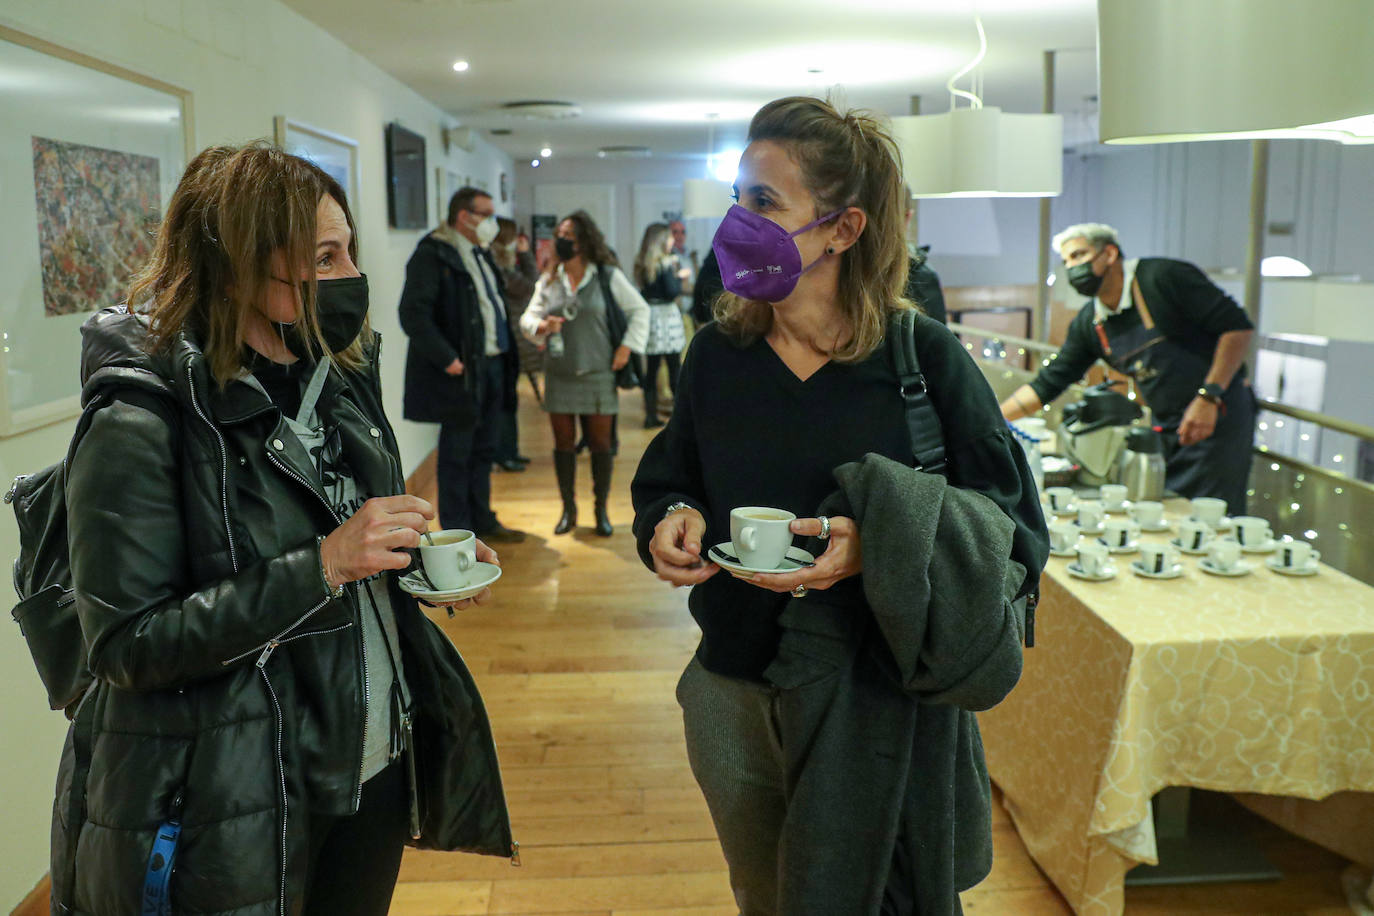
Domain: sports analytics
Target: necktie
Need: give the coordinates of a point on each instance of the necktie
(498, 307)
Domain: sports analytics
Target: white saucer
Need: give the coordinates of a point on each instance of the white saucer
(1132, 547)
(1082, 530)
(483, 575)
(1077, 572)
(799, 556)
(1202, 551)
(1071, 552)
(1067, 510)
(1309, 570)
(1240, 569)
(1267, 547)
(1173, 573)
(1123, 506)
(1156, 529)
(1224, 525)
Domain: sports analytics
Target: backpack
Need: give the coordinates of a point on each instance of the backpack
(46, 612)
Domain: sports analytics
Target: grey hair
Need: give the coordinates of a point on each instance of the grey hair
(1096, 234)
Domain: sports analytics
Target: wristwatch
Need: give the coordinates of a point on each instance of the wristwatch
(675, 507)
(1211, 391)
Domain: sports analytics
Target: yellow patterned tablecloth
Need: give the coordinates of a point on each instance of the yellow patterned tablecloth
(1262, 683)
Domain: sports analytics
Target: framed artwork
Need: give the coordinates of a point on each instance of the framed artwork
(92, 154)
(335, 153)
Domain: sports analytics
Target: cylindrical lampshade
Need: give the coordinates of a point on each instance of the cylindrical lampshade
(1172, 70)
(981, 152)
(705, 198)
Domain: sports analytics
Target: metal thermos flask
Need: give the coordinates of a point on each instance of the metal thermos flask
(1142, 464)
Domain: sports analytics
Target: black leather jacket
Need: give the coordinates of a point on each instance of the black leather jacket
(228, 688)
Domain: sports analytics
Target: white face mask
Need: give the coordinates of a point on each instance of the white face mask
(487, 230)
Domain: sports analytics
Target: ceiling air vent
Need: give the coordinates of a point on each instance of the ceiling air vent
(542, 110)
(501, 131)
(623, 152)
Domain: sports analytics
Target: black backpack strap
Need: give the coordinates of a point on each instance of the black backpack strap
(923, 423)
(616, 322)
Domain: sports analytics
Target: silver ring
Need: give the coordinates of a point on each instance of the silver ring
(825, 528)
(799, 591)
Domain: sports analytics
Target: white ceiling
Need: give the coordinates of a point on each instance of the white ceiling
(650, 73)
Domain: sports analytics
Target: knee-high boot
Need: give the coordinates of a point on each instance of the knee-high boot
(565, 467)
(602, 465)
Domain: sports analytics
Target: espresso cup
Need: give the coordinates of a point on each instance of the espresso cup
(1063, 535)
(1060, 498)
(1092, 558)
(1224, 554)
(1253, 531)
(1090, 514)
(1193, 534)
(1297, 555)
(449, 557)
(1113, 495)
(761, 535)
(1147, 513)
(1158, 558)
(1120, 532)
(1209, 509)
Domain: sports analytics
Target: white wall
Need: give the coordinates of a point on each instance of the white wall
(245, 61)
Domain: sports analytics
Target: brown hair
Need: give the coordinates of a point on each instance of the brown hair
(591, 244)
(651, 255)
(462, 200)
(847, 160)
(234, 208)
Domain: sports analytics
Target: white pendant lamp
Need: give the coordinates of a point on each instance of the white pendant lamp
(1172, 70)
(980, 151)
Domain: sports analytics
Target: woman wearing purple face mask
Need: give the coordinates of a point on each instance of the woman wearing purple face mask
(828, 709)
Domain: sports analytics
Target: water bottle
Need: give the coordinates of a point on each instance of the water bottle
(555, 345)
(1030, 432)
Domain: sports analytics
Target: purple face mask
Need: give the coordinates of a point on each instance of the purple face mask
(758, 258)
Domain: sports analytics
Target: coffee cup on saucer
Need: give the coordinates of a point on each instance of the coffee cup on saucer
(1297, 555)
(1158, 559)
(1120, 532)
(1194, 535)
(1063, 536)
(1090, 515)
(1092, 558)
(1061, 498)
(1113, 496)
(1252, 531)
(1209, 509)
(1147, 513)
(761, 535)
(1224, 555)
(448, 557)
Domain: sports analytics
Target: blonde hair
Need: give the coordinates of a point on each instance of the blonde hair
(234, 208)
(846, 160)
(651, 254)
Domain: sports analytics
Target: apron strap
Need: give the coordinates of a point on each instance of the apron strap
(1145, 317)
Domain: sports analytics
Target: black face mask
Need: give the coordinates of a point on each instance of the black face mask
(565, 248)
(342, 307)
(1082, 279)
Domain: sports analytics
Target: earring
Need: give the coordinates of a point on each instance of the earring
(830, 250)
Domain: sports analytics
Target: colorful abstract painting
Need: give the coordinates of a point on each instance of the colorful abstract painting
(97, 213)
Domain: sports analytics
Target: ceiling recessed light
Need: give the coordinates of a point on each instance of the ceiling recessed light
(500, 131)
(546, 152)
(460, 65)
(534, 163)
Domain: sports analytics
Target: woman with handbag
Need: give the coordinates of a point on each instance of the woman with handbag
(589, 318)
(828, 710)
(660, 277)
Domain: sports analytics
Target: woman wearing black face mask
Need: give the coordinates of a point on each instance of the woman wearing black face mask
(567, 316)
(292, 717)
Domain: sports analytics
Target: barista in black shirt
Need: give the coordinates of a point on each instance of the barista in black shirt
(1180, 338)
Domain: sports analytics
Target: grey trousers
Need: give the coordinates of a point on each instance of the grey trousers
(734, 746)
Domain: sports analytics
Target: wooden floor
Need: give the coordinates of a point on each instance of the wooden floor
(577, 657)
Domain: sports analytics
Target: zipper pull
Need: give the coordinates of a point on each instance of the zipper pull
(177, 801)
(514, 854)
(267, 652)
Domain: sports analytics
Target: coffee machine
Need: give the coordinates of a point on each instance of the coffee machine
(1094, 431)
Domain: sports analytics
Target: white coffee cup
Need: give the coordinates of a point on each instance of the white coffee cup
(1060, 498)
(1090, 514)
(1158, 558)
(1297, 555)
(1147, 513)
(449, 557)
(1224, 554)
(1209, 509)
(1063, 535)
(1113, 495)
(1253, 531)
(1120, 532)
(761, 535)
(1193, 534)
(1092, 558)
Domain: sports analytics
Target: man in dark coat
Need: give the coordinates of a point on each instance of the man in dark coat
(1180, 338)
(462, 359)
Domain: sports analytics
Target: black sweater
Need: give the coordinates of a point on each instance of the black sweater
(745, 431)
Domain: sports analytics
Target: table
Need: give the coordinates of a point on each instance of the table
(1262, 684)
